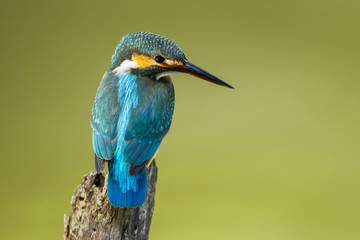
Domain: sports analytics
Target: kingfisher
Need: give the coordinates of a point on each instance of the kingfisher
(133, 111)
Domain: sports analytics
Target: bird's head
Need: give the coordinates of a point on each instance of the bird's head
(154, 56)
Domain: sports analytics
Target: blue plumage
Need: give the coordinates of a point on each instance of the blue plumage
(131, 115)
(133, 111)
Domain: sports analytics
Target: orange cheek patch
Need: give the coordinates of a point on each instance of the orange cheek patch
(143, 61)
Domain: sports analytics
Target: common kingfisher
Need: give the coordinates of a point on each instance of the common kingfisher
(133, 110)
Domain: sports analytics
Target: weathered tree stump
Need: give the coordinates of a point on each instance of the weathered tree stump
(93, 216)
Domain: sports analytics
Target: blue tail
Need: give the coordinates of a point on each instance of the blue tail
(125, 190)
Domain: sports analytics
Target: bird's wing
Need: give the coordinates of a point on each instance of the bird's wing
(104, 120)
(149, 123)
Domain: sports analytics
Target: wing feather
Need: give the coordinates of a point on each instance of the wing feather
(105, 115)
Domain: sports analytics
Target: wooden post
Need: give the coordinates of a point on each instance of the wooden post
(93, 216)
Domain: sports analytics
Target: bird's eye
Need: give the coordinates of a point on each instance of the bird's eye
(159, 59)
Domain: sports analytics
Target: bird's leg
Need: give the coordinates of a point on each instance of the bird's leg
(149, 162)
(152, 159)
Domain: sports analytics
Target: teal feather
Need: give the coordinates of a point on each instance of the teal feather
(143, 111)
(132, 113)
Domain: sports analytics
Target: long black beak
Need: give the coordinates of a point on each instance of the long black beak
(200, 73)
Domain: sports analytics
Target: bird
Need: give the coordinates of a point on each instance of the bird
(133, 111)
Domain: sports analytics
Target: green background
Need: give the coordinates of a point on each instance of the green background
(277, 158)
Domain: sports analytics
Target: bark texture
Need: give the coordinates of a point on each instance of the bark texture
(93, 216)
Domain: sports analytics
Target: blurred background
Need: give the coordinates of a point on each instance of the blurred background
(277, 158)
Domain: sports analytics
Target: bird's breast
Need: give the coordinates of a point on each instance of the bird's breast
(150, 117)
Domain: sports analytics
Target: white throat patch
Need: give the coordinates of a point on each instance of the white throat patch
(125, 66)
